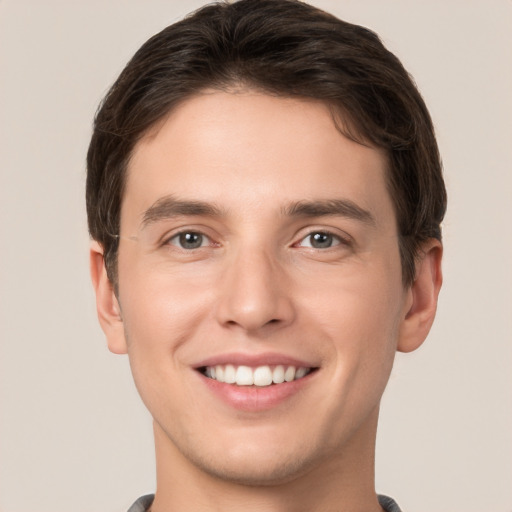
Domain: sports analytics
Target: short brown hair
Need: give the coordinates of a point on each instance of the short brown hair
(285, 48)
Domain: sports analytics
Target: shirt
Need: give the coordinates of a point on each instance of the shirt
(144, 502)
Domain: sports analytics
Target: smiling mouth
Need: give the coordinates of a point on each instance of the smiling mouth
(260, 376)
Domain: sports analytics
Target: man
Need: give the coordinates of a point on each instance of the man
(264, 195)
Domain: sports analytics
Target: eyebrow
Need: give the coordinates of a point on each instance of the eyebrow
(169, 207)
(334, 207)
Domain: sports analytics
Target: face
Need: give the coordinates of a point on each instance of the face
(260, 290)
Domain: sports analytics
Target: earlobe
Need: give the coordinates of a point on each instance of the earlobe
(422, 298)
(107, 305)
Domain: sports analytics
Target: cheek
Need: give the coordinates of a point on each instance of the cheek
(160, 307)
(361, 314)
(360, 302)
(161, 311)
(160, 316)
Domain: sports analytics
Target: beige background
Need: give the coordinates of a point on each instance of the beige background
(73, 433)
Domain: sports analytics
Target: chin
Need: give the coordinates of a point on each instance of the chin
(263, 463)
(258, 472)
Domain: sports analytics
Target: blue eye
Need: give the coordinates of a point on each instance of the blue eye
(189, 240)
(320, 240)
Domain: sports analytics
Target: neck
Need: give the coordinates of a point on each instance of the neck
(343, 482)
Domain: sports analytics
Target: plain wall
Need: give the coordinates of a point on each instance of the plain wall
(74, 435)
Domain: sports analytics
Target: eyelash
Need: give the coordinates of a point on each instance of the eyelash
(345, 241)
(177, 236)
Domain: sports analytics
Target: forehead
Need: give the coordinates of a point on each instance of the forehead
(246, 148)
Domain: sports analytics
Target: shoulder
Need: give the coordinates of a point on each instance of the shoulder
(388, 504)
(142, 504)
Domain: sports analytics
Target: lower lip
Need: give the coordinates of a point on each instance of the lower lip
(256, 398)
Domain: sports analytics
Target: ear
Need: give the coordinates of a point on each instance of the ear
(107, 305)
(422, 297)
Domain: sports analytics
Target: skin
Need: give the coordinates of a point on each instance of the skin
(257, 285)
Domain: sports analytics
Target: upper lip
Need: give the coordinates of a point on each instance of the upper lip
(254, 360)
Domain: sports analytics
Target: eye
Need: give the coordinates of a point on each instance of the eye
(320, 240)
(189, 240)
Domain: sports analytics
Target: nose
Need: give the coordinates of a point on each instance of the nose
(254, 293)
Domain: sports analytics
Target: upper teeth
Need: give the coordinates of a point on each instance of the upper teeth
(259, 376)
